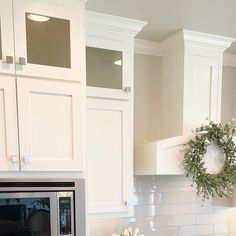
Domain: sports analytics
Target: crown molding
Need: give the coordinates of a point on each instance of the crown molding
(147, 47)
(185, 38)
(109, 23)
(210, 41)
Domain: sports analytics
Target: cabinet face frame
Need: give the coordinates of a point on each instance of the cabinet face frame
(7, 36)
(73, 14)
(10, 162)
(127, 62)
(72, 90)
(126, 160)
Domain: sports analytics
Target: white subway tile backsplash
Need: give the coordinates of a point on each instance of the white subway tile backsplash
(196, 230)
(214, 218)
(179, 197)
(169, 206)
(167, 209)
(195, 208)
(220, 228)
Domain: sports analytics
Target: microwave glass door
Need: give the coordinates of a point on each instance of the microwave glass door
(28, 214)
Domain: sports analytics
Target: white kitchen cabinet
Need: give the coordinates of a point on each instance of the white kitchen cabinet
(42, 85)
(50, 129)
(7, 64)
(49, 125)
(109, 152)
(46, 38)
(9, 153)
(52, 46)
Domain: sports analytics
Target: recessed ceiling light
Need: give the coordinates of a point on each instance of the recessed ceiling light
(118, 62)
(38, 18)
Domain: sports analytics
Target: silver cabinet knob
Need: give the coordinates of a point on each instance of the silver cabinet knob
(9, 60)
(14, 159)
(127, 89)
(21, 61)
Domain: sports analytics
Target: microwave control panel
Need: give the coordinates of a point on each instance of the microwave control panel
(65, 215)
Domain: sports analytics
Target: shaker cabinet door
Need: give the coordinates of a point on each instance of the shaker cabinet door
(9, 153)
(109, 152)
(48, 39)
(49, 125)
(6, 38)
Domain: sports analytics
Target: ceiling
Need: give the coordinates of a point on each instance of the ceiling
(165, 17)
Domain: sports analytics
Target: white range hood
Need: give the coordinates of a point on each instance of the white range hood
(190, 92)
(161, 157)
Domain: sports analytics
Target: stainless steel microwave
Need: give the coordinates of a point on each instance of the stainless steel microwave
(42, 208)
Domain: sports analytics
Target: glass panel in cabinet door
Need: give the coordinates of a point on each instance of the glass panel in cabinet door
(48, 41)
(25, 216)
(104, 68)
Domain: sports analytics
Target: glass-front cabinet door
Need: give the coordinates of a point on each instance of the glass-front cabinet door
(48, 40)
(107, 72)
(6, 38)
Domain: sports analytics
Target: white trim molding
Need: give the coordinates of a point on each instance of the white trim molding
(207, 40)
(183, 38)
(113, 24)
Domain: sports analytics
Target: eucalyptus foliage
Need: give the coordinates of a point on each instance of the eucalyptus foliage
(211, 185)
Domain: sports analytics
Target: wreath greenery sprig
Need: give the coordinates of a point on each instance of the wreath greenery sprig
(209, 185)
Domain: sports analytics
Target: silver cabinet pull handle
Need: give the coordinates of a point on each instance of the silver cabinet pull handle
(14, 159)
(127, 89)
(27, 159)
(9, 60)
(21, 61)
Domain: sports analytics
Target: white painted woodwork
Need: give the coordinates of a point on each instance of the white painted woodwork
(161, 157)
(9, 153)
(110, 119)
(71, 12)
(6, 23)
(113, 33)
(50, 125)
(109, 148)
(190, 92)
(202, 92)
(192, 70)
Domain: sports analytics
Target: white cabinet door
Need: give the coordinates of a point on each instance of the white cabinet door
(48, 39)
(9, 153)
(108, 65)
(50, 125)
(6, 38)
(109, 155)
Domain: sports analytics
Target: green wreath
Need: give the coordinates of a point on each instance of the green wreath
(209, 185)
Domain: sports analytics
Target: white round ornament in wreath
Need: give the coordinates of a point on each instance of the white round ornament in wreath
(210, 159)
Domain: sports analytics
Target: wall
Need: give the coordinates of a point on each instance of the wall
(228, 110)
(147, 95)
(169, 206)
(164, 205)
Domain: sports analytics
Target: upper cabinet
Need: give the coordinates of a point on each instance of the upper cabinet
(42, 85)
(47, 38)
(109, 55)
(7, 64)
